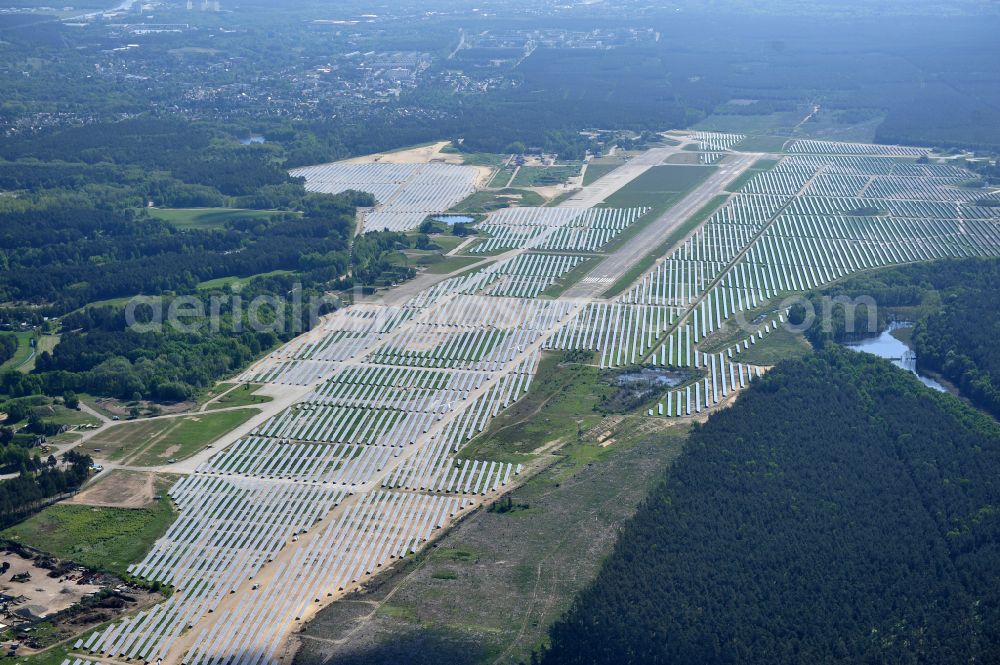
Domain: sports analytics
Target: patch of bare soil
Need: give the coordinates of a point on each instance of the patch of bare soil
(424, 155)
(119, 489)
(53, 602)
(122, 410)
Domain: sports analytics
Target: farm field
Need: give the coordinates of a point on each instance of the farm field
(400, 418)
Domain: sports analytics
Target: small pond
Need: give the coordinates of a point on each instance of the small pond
(889, 347)
(454, 219)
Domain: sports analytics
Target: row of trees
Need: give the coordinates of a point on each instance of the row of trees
(39, 481)
(838, 513)
(8, 347)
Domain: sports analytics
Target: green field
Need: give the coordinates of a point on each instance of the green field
(107, 539)
(762, 143)
(543, 176)
(560, 402)
(222, 282)
(24, 351)
(452, 263)
(488, 201)
(245, 395)
(502, 177)
(473, 597)
(779, 345)
(153, 442)
(24, 358)
(59, 414)
(659, 185)
(597, 169)
(782, 122)
(689, 158)
(207, 218)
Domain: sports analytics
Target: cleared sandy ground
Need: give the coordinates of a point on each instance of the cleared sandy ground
(424, 155)
(119, 489)
(43, 595)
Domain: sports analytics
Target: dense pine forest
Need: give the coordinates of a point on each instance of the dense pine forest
(838, 513)
(37, 481)
(948, 302)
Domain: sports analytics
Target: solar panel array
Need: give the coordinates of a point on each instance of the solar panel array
(717, 140)
(406, 193)
(555, 229)
(369, 463)
(801, 225)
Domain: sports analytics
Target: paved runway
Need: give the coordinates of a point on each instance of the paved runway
(613, 266)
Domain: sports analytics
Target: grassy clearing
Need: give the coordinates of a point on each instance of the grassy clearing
(488, 591)
(214, 391)
(23, 352)
(451, 264)
(59, 414)
(543, 176)
(24, 357)
(559, 199)
(153, 442)
(447, 242)
(488, 201)
(663, 249)
(782, 122)
(689, 158)
(597, 171)
(207, 218)
(54, 656)
(659, 184)
(779, 345)
(559, 405)
(222, 282)
(245, 395)
(45, 343)
(762, 143)
(108, 539)
(502, 177)
(478, 158)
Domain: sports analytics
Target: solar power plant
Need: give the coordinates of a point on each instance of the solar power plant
(365, 466)
(406, 193)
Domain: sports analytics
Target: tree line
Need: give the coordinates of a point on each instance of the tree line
(838, 513)
(950, 302)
